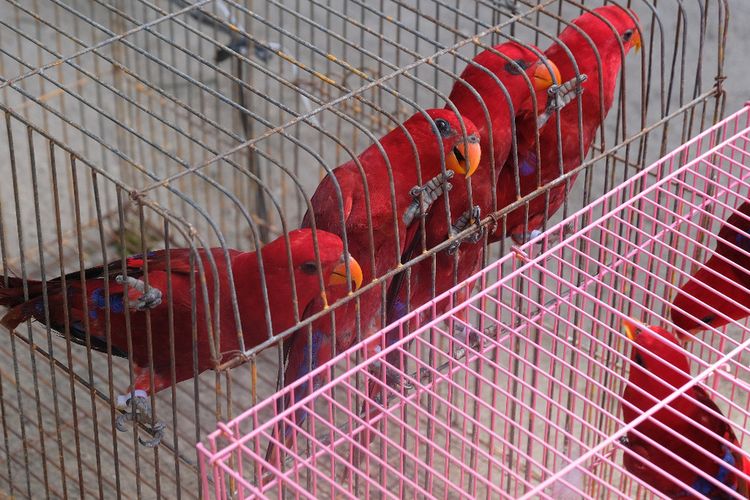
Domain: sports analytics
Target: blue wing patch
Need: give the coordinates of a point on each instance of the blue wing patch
(116, 302)
(301, 391)
(704, 487)
(742, 239)
(527, 165)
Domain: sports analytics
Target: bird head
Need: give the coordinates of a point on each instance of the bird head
(656, 354)
(461, 151)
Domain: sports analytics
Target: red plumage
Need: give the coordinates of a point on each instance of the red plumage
(503, 92)
(364, 200)
(376, 233)
(496, 75)
(658, 361)
(596, 101)
(720, 290)
(84, 299)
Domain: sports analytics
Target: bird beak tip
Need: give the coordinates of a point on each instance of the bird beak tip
(339, 273)
(631, 328)
(465, 156)
(546, 75)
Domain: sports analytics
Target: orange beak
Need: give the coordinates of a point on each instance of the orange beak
(636, 41)
(465, 156)
(338, 275)
(543, 75)
(631, 328)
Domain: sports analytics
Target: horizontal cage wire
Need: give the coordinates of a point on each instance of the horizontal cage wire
(135, 126)
(528, 403)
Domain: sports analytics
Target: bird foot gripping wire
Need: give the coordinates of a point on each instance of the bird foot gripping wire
(150, 296)
(140, 406)
(521, 238)
(394, 378)
(559, 96)
(467, 219)
(471, 340)
(424, 196)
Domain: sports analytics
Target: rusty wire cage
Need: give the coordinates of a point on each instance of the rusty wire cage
(532, 405)
(125, 133)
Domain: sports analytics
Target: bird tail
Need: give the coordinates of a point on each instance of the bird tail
(12, 296)
(744, 485)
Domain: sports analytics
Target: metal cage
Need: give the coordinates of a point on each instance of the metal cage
(528, 403)
(132, 126)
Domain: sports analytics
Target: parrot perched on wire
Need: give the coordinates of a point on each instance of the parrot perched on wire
(493, 91)
(501, 81)
(720, 290)
(659, 361)
(597, 96)
(375, 201)
(79, 305)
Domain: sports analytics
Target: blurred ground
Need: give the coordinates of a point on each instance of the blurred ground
(99, 445)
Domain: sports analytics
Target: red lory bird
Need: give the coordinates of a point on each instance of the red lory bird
(598, 92)
(375, 201)
(720, 290)
(498, 84)
(502, 80)
(378, 195)
(82, 298)
(658, 361)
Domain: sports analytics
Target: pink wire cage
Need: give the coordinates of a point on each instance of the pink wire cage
(529, 403)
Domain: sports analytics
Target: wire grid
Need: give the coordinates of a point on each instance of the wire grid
(122, 133)
(532, 407)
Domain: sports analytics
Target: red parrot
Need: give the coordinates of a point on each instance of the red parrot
(373, 201)
(83, 298)
(705, 299)
(596, 101)
(491, 74)
(374, 212)
(494, 81)
(658, 361)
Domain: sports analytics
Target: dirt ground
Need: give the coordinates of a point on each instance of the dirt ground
(142, 109)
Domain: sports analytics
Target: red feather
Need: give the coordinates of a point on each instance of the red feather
(446, 269)
(89, 304)
(596, 101)
(700, 302)
(658, 362)
(375, 232)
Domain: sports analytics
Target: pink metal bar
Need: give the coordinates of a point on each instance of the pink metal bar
(526, 402)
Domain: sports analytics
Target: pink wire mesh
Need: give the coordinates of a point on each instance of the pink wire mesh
(529, 403)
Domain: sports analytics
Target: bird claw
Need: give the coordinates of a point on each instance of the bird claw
(140, 404)
(150, 296)
(394, 379)
(468, 218)
(559, 96)
(471, 340)
(521, 238)
(425, 195)
(624, 440)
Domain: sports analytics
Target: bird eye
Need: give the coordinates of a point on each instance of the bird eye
(708, 319)
(443, 127)
(627, 36)
(743, 241)
(516, 67)
(309, 267)
(639, 359)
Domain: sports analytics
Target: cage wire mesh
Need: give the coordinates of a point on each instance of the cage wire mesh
(133, 126)
(530, 407)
